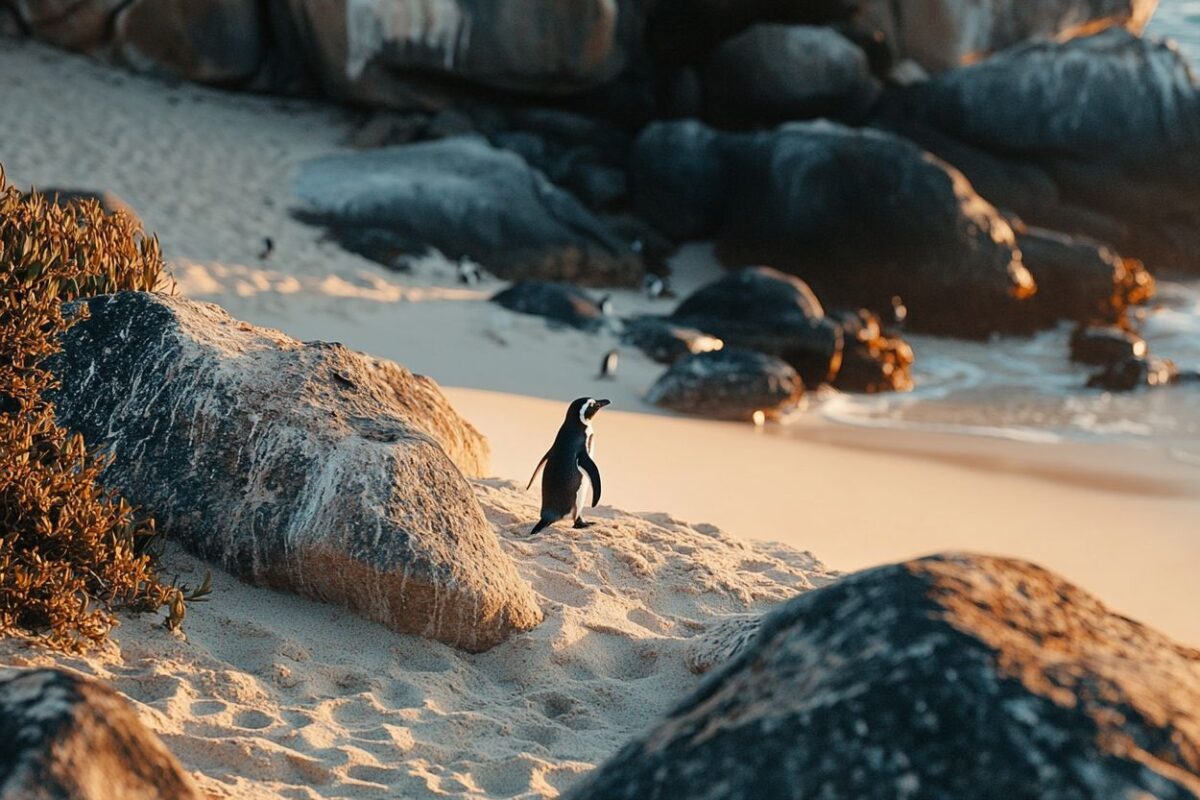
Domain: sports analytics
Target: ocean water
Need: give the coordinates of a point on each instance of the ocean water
(1027, 388)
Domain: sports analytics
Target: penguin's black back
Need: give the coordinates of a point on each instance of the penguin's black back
(561, 477)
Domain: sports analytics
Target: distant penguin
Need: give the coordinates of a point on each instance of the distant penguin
(570, 474)
(268, 248)
(468, 273)
(606, 305)
(608, 365)
(653, 286)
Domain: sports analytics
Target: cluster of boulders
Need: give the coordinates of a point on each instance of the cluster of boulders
(312, 468)
(749, 343)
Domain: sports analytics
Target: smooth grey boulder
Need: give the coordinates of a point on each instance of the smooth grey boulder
(557, 302)
(948, 677)
(306, 467)
(1115, 119)
(772, 73)
(207, 41)
(732, 383)
(945, 34)
(665, 341)
(763, 309)
(68, 738)
(862, 216)
(467, 198)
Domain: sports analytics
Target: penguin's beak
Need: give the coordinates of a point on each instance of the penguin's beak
(602, 403)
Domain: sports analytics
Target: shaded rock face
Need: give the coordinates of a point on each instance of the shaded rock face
(557, 302)
(1101, 346)
(775, 73)
(860, 215)
(209, 41)
(1135, 372)
(1081, 279)
(953, 676)
(1115, 120)
(944, 34)
(762, 309)
(73, 24)
(304, 467)
(732, 383)
(68, 737)
(466, 198)
(664, 341)
(872, 361)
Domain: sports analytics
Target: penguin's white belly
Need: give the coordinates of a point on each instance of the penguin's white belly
(582, 497)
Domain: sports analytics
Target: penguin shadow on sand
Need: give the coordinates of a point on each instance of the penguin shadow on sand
(570, 478)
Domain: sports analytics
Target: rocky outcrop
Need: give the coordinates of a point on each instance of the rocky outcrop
(1114, 118)
(732, 383)
(776, 73)
(208, 41)
(1135, 372)
(860, 215)
(762, 309)
(952, 676)
(466, 198)
(559, 303)
(304, 467)
(944, 34)
(68, 737)
(872, 359)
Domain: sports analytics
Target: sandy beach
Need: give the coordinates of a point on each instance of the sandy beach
(270, 695)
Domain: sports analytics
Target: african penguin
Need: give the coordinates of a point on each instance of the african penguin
(608, 366)
(570, 475)
(468, 273)
(267, 248)
(606, 305)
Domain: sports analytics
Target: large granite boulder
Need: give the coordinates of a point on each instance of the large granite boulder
(1113, 117)
(305, 467)
(776, 73)
(73, 24)
(67, 737)
(208, 41)
(732, 383)
(467, 198)
(557, 303)
(948, 677)
(862, 216)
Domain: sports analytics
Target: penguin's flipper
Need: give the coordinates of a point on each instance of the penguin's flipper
(537, 469)
(593, 472)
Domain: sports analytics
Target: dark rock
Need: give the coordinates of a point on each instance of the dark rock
(209, 41)
(303, 467)
(871, 360)
(557, 302)
(466, 198)
(1114, 118)
(762, 309)
(388, 128)
(732, 383)
(777, 73)
(665, 341)
(1135, 372)
(448, 122)
(948, 677)
(946, 34)
(74, 24)
(862, 216)
(63, 736)
(1101, 346)
(1080, 279)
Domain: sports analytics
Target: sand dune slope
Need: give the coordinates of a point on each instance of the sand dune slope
(274, 696)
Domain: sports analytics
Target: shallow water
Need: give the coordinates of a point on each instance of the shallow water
(1179, 20)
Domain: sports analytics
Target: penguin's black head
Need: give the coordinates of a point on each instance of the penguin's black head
(584, 409)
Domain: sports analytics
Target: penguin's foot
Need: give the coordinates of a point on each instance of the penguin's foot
(579, 523)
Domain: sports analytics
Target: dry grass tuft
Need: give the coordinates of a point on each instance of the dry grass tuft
(70, 552)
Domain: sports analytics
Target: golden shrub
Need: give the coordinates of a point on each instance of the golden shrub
(70, 551)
